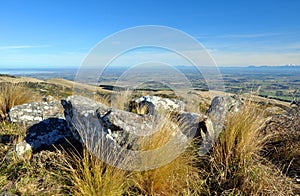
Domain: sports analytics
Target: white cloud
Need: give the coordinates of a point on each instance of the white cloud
(247, 58)
(253, 35)
(22, 47)
(220, 57)
(36, 60)
(236, 54)
(254, 49)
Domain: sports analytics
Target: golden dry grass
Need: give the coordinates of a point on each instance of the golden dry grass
(12, 95)
(120, 100)
(179, 177)
(90, 176)
(235, 165)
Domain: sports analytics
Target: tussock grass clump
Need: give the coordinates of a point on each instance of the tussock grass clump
(235, 165)
(283, 148)
(178, 177)
(90, 176)
(120, 99)
(12, 95)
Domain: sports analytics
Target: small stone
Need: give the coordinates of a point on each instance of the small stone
(22, 148)
(48, 98)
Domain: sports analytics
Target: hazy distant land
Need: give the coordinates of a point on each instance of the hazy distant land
(280, 82)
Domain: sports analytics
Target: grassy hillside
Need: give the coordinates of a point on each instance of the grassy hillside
(242, 161)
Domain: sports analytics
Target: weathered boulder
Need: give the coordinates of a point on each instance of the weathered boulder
(160, 104)
(220, 105)
(44, 135)
(91, 121)
(32, 113)
(219, 108)
(201, 127)
(44, 122)
(47, 132)
(92, 124)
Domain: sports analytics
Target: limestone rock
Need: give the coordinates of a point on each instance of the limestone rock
(162, 104)
(91, 121)
(220, 105)
(45, 134)
(32, 113)
(44, 122)
(92, 124)
(219, 108)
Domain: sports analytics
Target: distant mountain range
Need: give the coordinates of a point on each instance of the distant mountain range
(279, 66)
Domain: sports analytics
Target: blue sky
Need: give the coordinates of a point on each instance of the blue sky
(60, 33)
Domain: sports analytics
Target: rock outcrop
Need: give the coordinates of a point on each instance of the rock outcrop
(93, 123)
(32, 113)
(90, 120)
(161, 104)
(45, 125)
(220, 106)
(47, 132)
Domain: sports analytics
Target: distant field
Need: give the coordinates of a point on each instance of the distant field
(279, 82)
(275, 82)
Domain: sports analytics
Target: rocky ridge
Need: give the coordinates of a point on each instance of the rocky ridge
(77, 118)
(84, 117)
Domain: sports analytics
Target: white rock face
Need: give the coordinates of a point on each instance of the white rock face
(124, 127)
(163, 104)
(95, 125)
(220, 106)
(32, 113)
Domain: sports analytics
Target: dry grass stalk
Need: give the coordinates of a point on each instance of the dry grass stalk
(12, 95)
